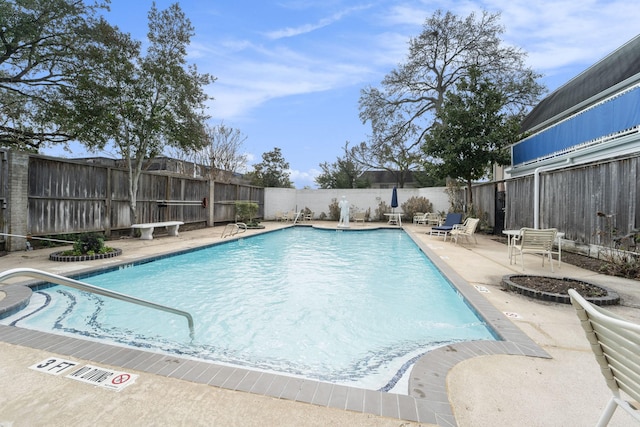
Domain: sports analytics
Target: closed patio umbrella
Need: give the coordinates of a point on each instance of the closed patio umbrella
(394, 199)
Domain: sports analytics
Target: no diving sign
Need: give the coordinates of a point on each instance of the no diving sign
(95, 375)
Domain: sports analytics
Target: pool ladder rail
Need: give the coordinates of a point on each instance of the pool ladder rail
(72, 283)
(233, 229)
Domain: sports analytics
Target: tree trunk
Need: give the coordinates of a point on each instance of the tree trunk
(133, 191)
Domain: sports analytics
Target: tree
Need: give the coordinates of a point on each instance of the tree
(343, 173)
(395, 156)
(403, 110)
(140, 103)
(223, 151)
(42, 49)
(428, 177)
(222, 155)
(473, 131)
(273, 171)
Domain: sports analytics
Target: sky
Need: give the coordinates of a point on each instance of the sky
(289, 72)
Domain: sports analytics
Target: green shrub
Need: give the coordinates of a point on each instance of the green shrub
(246, 211)
(415, 205)
(334, 210)
(381, 210)
(88, 244)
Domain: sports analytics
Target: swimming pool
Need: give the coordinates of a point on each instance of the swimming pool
(344, 307)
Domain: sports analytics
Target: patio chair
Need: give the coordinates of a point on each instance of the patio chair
(419, 216)
(615, 343)
(359, 217)
(468, 229)
(434, 218)
(427, 218)
(534, 241)
(444, 229)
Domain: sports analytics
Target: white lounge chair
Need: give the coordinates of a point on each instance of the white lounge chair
(429, 218)
(616, 344)
(359, 217)
(534, 241)
(468, 229)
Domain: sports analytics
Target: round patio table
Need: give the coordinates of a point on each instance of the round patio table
(394, 218)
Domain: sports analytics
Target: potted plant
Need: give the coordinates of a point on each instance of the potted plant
(245, 212)
(87, 246)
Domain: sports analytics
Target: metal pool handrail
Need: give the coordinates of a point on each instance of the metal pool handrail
(65, 281)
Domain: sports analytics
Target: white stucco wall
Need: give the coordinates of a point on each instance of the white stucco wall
(318, 201)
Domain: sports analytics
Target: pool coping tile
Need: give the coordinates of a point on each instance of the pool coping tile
(307, 391)
(262, 385)
(372, 402)
(292, 389)
(355, 399)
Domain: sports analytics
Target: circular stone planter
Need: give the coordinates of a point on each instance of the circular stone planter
(57, 256)
(610, 297)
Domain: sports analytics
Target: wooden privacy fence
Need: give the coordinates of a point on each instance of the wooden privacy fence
(64, 197)
(225, 196)
(44, 196)
(571, 198)
(488, 200)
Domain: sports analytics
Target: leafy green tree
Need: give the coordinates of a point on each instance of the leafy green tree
(428, 177)
(473, 131)
(404, 108)
(140, 102)
(273, 171)
(343, 173)
(42, 49)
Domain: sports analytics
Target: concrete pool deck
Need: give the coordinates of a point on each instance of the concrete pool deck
(488, 390)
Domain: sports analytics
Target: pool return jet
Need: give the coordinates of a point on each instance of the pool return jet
(72, 283)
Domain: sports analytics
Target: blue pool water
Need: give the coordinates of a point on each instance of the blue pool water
(354, 308)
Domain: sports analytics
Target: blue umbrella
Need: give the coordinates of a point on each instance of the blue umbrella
(394, 198)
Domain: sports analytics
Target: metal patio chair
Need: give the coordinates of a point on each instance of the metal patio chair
(534, 241)
(616, 344)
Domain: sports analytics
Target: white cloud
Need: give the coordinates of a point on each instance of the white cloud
(247, 82)
(559, 34)
(406, 14)
(555, 34)
(308, 28)
(303, 29)
(303, 179)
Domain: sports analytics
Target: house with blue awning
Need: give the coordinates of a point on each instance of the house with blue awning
(577, 167)
(596, 115)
